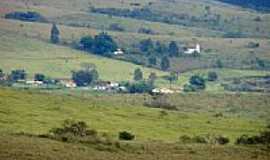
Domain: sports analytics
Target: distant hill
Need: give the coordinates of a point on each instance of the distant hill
(262, 5)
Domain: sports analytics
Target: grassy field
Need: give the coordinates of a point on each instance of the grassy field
(36, 113)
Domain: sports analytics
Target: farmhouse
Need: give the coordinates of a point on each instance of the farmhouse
(162, 91)
(35, 83)
(118, 52)
(197, 49)
(67, 83)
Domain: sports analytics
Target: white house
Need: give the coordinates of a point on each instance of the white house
(118, 52)
(197, 49)
(162, 91)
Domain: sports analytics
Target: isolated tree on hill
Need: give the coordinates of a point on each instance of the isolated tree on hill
(173, 49)
(138, 75)
(165, 63)
(55, 34)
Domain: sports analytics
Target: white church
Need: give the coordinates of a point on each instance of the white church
(197, 49)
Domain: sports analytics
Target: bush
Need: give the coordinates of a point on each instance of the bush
(39, 77)
(262, 138)
(146, 31)
(185, 139)
(116, 27)
(253, 45)
(126, 136)
(196, 83)
(161, 101)
(222, 140)
(200, 139)
(212, 76)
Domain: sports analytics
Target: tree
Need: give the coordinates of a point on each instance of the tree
(212, 76)
(17, 75)
(173, 49)
(152, 60)
(138, 75)
(152, 78)
(2, 74)
(87, 43)
(104, 44)
(160, 48)
(197, 81)
(165, 63)
(39, 77)
(85, 77)
(146, 45)
(173, 77)
(55, 34)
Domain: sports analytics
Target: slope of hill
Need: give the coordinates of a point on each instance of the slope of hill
(57, 62)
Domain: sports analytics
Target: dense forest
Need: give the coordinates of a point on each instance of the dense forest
(262, 5)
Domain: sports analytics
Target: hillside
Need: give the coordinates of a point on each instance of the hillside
(228, 45)
(57, 62)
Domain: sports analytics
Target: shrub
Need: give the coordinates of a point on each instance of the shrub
(124, 135)
(262, 138)
(197, 82)
(253, 45)
(200, 139)
(222, 140)
(39, 77)
(212, 76)
(146, 31)
(116, 27)
(185, 139)
(161, 101)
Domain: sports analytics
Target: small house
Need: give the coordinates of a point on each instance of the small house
(190, 51)
(68, 83)
(118, 52)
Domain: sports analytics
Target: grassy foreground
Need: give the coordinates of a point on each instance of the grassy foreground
(25, 148)
(36, 113)
(157, 131)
